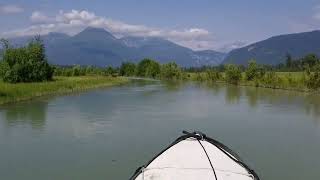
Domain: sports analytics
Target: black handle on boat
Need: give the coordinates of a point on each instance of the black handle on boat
(196, 134)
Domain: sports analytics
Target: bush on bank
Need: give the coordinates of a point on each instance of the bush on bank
(233, 74)
(25, 64)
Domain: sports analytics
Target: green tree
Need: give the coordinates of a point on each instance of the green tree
(313, 80)
(271, 79)
(252, 70)
(76, 70)
(171, 71)
(148, 68)
(128, 69)
(233, 74)
(4, 67)
(310, 60)
(27, 64)
(213, 75)
(110, 71)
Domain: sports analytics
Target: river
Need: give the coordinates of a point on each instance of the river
(107, 133)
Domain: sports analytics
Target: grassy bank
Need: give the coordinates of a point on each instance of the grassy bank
(24, 91)
(294, 81)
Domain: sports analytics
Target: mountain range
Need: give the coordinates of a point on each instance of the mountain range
(274, 50)
(95, 46)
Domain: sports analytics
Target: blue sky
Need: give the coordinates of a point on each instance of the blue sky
(198, 24)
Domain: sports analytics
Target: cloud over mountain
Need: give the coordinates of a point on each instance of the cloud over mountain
(74, 21)
(316, 14)
(10, 9)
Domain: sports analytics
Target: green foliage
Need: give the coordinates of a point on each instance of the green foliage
(301, 64)
(313, 80)
(213, 75)
(271, 79)
(76, 70)
(4, 67)
(171, 71)
(110, 71)
(26, 64)
(310, 60)
(252, 70)
(128, 69)
(59, 71)
(233, 74)
(24, 91)
(89, 70)
(148, 68)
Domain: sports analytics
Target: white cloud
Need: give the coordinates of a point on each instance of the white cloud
(39, 17)
(231, 46)
(316, 14)
(74, 21)
(10, 9)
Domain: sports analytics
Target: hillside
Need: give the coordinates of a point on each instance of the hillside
(94, 46)
(274, 50)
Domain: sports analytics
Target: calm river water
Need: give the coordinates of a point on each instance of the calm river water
(107, 133)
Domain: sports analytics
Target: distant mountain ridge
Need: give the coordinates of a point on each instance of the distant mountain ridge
(95, 46)
(274, 50)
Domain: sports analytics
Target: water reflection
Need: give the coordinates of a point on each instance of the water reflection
(233, 94)
(27, 113)
(276, 98)
(174, 85)
(312, 105)
(253, 96)
(90, 130)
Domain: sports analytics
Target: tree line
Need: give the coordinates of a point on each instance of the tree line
(29, 64)
(147, 68)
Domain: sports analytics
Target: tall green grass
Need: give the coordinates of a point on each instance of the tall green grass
(25, 91)
(279, 80)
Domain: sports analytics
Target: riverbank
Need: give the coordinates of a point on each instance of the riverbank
(10, 93)
(292, 81)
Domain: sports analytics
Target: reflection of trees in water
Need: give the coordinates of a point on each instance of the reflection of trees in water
(216, 88)
(312, 105)
(277, 98)
(309, 102)
(33, 113)
(173, 85)
(233, 94)
(252, 95)
(141, 82)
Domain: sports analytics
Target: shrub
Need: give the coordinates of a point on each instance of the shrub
(109, 71)
(200, 76)
(271, 79)
(76, 70)
(233, 74)
(252, 70)
(4, 67)
(171, 71)
(128, 69)
(313, 80)
(213, 75)
(148, 68)
(27, 64)
(310, 60)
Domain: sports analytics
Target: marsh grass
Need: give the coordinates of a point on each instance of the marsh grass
(295, 81)
(24, 91)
